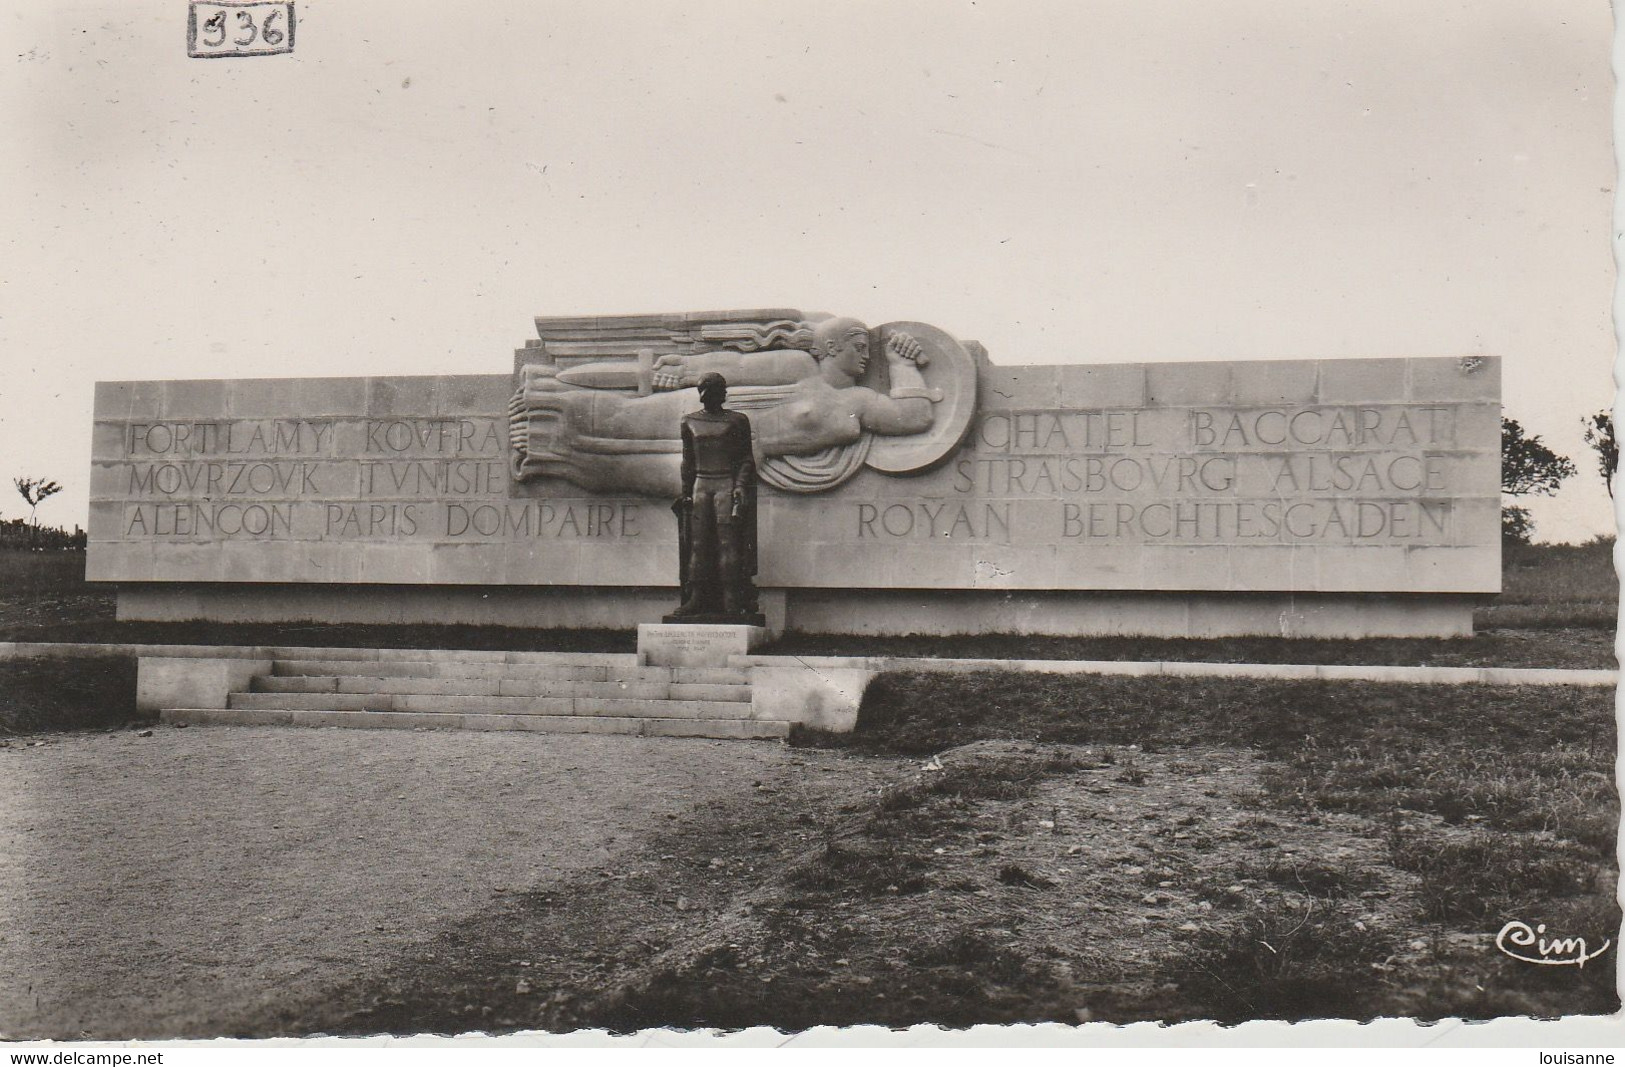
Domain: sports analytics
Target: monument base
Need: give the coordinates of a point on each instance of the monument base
(691, 644)
(831, 611)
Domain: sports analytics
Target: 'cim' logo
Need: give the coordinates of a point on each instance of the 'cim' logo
(1556, 952)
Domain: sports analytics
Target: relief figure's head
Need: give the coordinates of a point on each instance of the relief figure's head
(841, 345)
(713, 391)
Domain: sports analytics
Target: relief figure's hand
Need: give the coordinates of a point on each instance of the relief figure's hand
(671, 372)
(902, 348)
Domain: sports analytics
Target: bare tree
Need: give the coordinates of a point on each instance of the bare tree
(34, 491)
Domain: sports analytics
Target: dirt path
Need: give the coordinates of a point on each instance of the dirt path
(167, 885)
(999, 882)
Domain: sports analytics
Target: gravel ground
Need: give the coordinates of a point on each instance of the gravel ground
(161, 885)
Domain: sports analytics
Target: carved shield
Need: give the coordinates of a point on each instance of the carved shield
(950, 368)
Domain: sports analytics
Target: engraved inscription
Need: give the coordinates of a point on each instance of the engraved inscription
(397, 436)
(433, 478)
(230, 478)
(370, 520)
(1319, 427)
(1254, 494)
(931, 519)
(519, 521)
(258, 437)
(1205, 475)
(1248, 520)
(209, 521)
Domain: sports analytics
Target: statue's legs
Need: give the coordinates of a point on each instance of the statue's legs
(728, 571)
(709, 547)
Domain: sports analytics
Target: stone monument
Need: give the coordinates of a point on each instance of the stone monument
(904, 484)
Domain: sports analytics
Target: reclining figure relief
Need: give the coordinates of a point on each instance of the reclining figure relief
(815, 406)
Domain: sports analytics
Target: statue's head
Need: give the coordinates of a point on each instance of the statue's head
(845, 342)
(713, 391)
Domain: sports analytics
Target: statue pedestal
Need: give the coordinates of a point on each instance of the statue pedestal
(691, 644)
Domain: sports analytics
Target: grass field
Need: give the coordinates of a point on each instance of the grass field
(56, 693)
(1440, 835)
(1555, 587)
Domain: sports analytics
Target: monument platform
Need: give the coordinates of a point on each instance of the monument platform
(754, 696)
(405, 689)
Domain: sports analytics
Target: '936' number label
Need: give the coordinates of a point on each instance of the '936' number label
(239, 29)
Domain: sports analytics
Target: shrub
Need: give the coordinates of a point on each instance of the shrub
(1286, 961)
(54, 693)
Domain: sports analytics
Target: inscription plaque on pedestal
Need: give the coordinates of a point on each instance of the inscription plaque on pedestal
(696, 645)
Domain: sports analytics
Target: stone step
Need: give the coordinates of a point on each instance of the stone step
(328, 668)
(451, 655)
(329, 701)
(429, 669)
(357, 683)
(498, 686)
(486, 704)
(702, 691)
(707, 675)
(573, 724)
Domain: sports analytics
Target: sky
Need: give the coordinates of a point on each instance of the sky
(1066, 182)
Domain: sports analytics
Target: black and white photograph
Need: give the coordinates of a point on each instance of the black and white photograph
(721, 519)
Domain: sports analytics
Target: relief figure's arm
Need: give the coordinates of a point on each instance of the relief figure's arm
(775, 367)
(906, 408)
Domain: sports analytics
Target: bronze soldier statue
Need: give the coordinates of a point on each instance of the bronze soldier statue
(717, 512)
